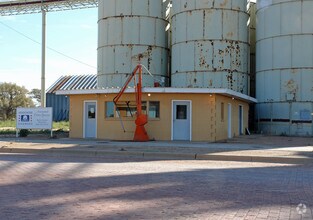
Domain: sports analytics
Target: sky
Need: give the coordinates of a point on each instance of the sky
(72, 33)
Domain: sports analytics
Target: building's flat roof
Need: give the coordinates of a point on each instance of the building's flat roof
(168, 90)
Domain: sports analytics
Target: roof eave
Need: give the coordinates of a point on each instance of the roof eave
(226, 92)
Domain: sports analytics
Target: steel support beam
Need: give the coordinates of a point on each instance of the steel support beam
(16, 7)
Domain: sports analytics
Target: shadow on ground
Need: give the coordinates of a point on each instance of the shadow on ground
(189, 193)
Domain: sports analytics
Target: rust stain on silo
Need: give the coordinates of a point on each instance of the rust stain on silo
(223, 4)
(230, 79)
(291, 85)
(230, 34)
(294, 71)
(210, 82)
(146, 54)
(216, 55)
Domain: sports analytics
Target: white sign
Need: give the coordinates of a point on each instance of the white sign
(34, 118)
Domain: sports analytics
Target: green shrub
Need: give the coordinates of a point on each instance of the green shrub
(24, 132)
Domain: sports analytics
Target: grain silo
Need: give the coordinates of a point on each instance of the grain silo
(284, 67)
(252, 41)
(132, 32)
(252, 38)
(210, 46)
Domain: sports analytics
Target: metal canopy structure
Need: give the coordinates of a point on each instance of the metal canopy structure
(16, 7)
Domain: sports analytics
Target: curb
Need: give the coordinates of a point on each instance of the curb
(258, 159)
(159, 155)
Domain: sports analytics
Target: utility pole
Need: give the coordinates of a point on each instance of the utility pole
(43, 59)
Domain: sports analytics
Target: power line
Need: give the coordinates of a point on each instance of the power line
(56, 51)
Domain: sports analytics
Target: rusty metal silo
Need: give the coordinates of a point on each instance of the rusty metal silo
(132, 32)
(284, 67)
(210, 45)
(252, 40)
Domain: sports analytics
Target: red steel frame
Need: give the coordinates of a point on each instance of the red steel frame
(141, 119)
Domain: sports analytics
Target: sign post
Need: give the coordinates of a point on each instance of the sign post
(34, 118)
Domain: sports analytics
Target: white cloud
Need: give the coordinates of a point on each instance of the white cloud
(20, 62)
(22, 77)
(87, 26)
(67, 66)
(30, 75)
(14, 19)
(8, 18)
(57, 67)
(28, 60)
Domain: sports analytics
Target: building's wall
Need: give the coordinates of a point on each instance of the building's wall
(222, 125)
(206, 124)
(60, 105)
(77, 114)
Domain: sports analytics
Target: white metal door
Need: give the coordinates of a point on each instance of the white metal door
(229, 121)
(181, 120)
(90, 119)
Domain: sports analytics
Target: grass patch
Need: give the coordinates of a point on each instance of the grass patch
(61, 125)
(8, 127)
(7, 124)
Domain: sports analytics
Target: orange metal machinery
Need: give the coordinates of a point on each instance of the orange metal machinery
(141, 119)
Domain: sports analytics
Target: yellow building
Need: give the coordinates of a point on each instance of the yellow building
(173, 113)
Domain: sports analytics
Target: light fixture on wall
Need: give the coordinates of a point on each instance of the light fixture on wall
(149, 94)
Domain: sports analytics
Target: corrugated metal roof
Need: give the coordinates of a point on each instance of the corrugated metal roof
(74, 83)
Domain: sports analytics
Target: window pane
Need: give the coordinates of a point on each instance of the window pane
(125, 109)
(91, 111)
(109, 110)
(181, 112)
(129, 108)
(154, 109)
(144, 107)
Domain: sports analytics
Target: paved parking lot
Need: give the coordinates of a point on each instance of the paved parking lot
(43, 187)
(254, 148)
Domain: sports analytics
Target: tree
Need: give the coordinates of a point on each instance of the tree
(11, 97)
(36, 94)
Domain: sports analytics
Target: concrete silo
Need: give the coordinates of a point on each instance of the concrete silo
(132, 32)
(284, 66)
(210, 46)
